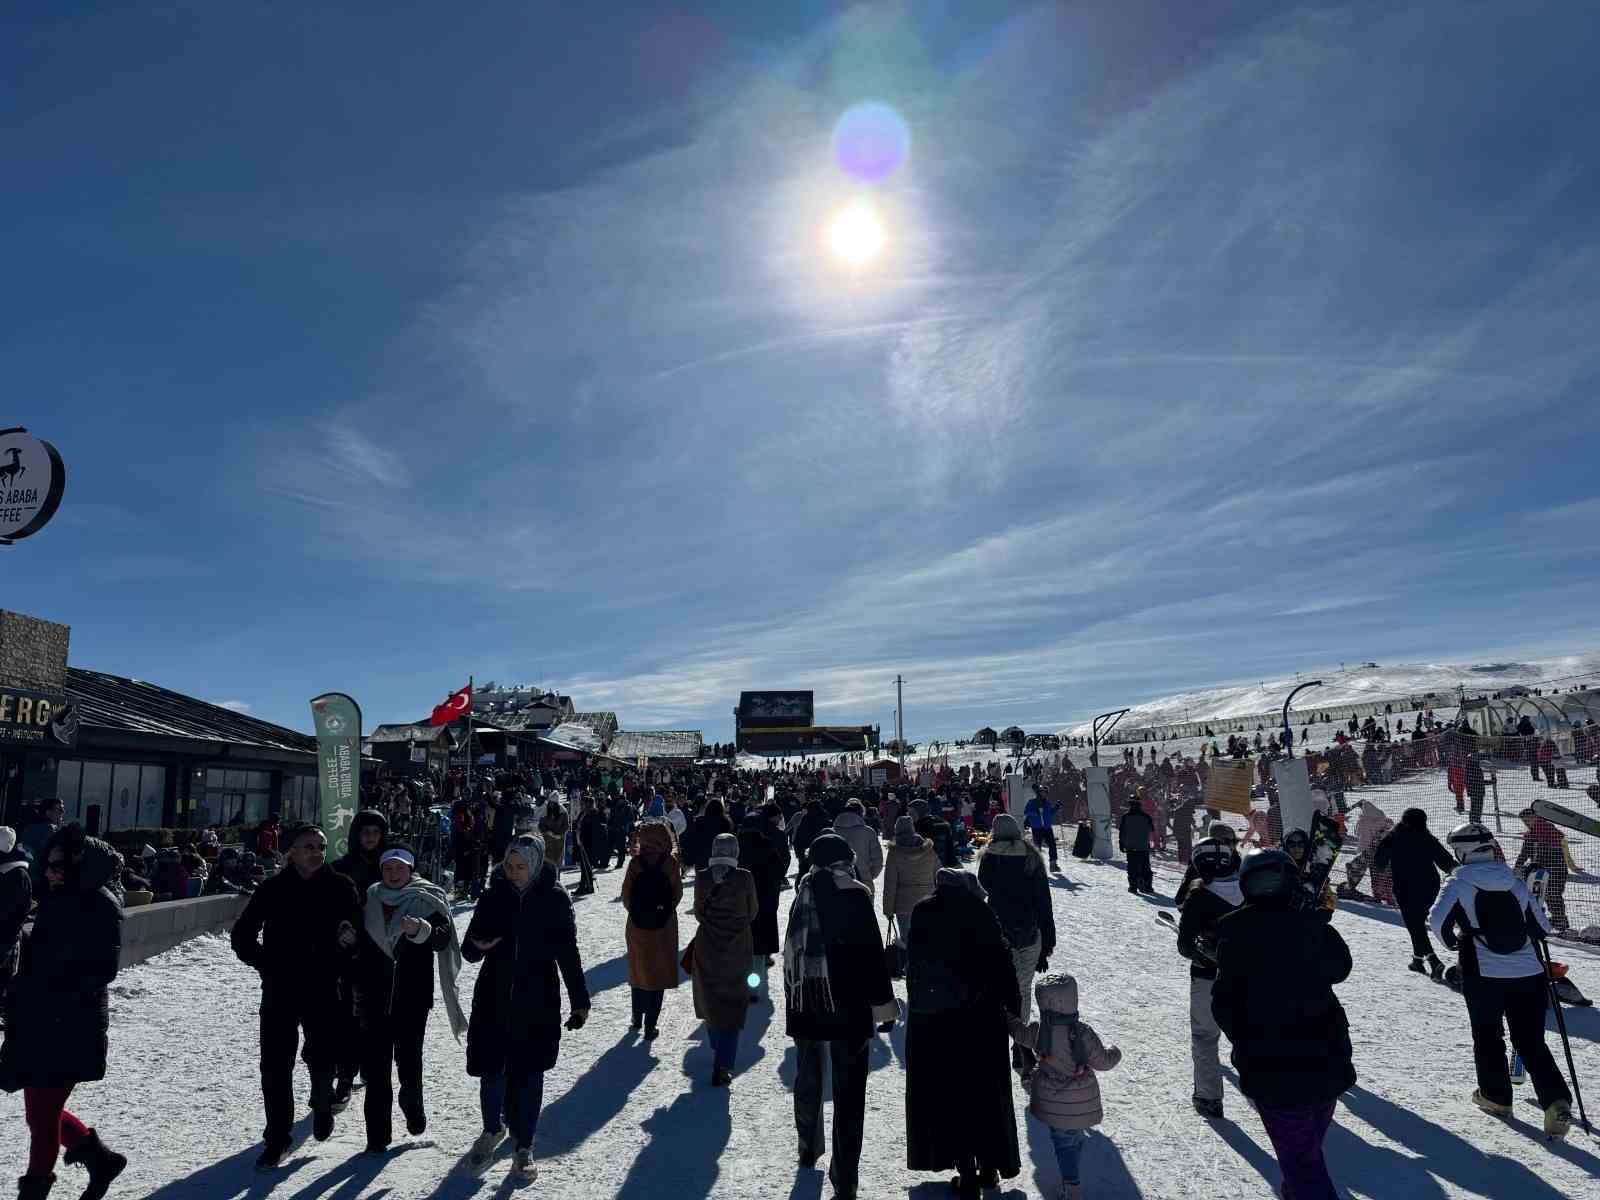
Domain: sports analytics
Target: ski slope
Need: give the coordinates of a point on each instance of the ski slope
(628, 1119)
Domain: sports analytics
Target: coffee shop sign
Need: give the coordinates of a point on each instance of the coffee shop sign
(32, 479)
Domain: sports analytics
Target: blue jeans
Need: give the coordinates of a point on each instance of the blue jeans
(1069, 1145)
(520, 1103)
(724, 1046)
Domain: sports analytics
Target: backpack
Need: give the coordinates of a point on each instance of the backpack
(650, 902)
(1502, 927)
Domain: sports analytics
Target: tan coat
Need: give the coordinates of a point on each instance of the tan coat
(724, 947)
(908, 876)
(653, 953)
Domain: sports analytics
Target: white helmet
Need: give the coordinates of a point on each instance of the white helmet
(1471, 842)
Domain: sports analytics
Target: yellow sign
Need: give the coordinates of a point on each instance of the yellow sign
(1228, 785)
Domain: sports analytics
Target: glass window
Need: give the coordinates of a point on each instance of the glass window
(235, 781)
(124, 811)
(68, 773)
(152, 797)
(216, 779)
(258, 781)
(96, 790)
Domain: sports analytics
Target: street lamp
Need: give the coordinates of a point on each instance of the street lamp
(1289, 741)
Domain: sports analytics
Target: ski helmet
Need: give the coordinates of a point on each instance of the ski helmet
(1266, 874)
(1296, 839)
(1471, 842)
(1214, 858)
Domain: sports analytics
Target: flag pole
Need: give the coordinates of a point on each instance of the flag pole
(469, 734)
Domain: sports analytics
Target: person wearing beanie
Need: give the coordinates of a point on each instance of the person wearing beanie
(1014, 875)
(1415, 859)
(836, 989)
(908, 874)
(524, 933)
(16, 898)
(962, 995)
(726, 905)
(865, 845)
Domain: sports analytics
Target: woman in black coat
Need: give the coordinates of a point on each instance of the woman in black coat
(1414, 858)
(58, 1020)
(757, 856)
(524, 932)
(962, 993)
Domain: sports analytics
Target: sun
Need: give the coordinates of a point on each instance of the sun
(856, 235)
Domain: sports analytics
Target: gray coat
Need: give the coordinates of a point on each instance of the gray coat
(864, 843)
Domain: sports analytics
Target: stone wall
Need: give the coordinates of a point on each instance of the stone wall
(33, 653)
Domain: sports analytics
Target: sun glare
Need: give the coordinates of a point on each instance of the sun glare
(856, 235)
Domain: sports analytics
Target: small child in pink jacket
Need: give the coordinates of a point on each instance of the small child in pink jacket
(1065, 1093)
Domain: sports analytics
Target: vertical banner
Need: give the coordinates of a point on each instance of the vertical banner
(1294, 793)
(1018, 793)
(337, 720)
(1099, 781)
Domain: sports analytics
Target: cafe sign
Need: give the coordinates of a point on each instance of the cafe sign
(44, 719)
(32, 479)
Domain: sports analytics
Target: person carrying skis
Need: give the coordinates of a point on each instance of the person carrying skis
(1216, 864)
(1134, 832)
(1414, 859)
(1489, 914)
(1277, 963)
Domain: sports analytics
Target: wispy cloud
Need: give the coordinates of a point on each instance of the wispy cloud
(239, 706)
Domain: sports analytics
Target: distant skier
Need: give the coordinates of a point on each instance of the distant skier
(1415, 859)
(1488, 913)
(1216, 865)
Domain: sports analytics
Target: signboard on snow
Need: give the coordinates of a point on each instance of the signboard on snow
(1228, 785)
(1098, 781)
(1295, 801)
(32, 478)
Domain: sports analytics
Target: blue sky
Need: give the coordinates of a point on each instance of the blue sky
(389, 343)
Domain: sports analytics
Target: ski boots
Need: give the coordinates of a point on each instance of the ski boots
(1492, 1108)
(1558, 1119)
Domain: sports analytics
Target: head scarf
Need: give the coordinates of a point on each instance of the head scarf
(952, 877)
(906, 835)
(829, 850)
(531, 851)
(724, 856)
(1006, 829)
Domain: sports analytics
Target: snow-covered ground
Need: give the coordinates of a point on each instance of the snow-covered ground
(635, 1120)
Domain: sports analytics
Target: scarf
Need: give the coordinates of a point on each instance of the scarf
(419, 899)
(805, 944)
(1067, 1024)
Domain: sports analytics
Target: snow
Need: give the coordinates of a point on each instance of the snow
(629, 1119)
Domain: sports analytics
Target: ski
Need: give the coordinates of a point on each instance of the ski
(1559, 814)
(1167, 921)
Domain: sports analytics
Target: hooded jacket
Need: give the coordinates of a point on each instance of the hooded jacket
(357, 865)
(908, 878)
(1063, 1097)
(864, 844)
(1456, 914)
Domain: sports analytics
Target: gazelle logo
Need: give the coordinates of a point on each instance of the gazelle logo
(32, 479)
(333, 723)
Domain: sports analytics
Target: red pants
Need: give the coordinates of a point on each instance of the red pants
(50, 1126)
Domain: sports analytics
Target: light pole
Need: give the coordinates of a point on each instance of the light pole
(900, 721)
(1289, 741)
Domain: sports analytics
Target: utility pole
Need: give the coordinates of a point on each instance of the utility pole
(900, 721)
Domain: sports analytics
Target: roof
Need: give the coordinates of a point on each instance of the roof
(133, 706)
(421, 731)
(572, 735)
(665, 743)
(603, 723)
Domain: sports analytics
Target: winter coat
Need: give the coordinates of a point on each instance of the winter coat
(621, 822)
(1062, 1096)
(58, 1015)
(653, 953)
(757, 856)
(595, 833)
(961, 1051)
(1456, 915)
(1273, 997)
(289, 929)
(858, 977)
(937, 830)
(866, 845)
(811, 824)
(908, 875)
(516, 1002)
(16, 897)
(553, 828)
(724, 947)
(1019, 894)
(701, 833)
(398, 986)
(1203, 907)
(1134, 830)
(1414, 858)
(357, 865)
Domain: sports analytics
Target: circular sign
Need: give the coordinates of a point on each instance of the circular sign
(32, 479)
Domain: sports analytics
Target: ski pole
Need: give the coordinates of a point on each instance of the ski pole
(1542, 953)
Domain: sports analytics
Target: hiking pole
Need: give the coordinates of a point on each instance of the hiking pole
(1542, 953)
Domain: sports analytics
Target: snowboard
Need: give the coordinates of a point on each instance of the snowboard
(1566, 991)
(1326, 839)
(1559, 814)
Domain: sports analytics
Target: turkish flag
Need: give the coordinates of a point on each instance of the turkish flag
(458, 705)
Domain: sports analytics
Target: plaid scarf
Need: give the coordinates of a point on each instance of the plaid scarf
(805, 946)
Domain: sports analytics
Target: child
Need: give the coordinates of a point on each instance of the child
(1065, 1094)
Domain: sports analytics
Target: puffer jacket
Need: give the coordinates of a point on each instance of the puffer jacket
(865, 844)
(908, 878)
(1062, 1096)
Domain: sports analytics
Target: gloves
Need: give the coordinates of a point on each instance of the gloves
(1044, 964)
(577, 1019)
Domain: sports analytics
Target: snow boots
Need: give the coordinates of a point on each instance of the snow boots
(1211, 1110)
(1558, 1119)
(1490, 1107)
(34, 1187)
(103, 1165)
(271, 1156)
(522, 1168)
(483, 1151)
(1434, 968)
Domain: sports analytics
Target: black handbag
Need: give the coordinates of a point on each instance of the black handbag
(894, 952)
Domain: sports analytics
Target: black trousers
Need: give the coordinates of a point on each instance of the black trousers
(1139, 876)
(1414, 912)
(647, 1006)
(849, 1068)
(285, 1012)
(1520, 1003)
(396, 1038)
(1046, 836)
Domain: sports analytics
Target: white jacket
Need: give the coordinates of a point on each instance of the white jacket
(864, 843)
(1459, 901)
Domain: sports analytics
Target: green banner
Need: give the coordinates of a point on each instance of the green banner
(337, 720)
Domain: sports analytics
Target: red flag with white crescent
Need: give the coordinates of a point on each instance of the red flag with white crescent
(456, 706)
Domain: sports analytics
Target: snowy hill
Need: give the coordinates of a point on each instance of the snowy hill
(1360, 685)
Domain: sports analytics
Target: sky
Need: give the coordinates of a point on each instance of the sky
(391, 343)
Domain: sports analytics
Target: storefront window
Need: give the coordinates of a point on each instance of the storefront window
(235, 797)
(68, 775)
(96, 790)
(152, 796)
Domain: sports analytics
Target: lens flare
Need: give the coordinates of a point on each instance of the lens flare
(856, 234)
(871, 141)
(753, 980)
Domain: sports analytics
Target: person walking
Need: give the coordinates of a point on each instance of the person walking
(553, 825)
(1488, 913)
(1216, 866)
(836, 989)
(1277, 963)
(524, 933)
(1039, 816)
(58, 1019)
(1134, 831)
(369, 836)
(652, 889)
(1414, 859)
(757, 856)
(726, 905)
(16, 899)
(621, 821)
(297, 931)
(865, 844)
(407, 927)
(908, 875)
(963, 1002)
(1014, 875)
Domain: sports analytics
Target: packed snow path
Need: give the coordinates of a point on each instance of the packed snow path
(635, 1120)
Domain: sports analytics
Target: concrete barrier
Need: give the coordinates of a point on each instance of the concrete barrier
(151, 929)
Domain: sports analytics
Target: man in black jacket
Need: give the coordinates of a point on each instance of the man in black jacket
(1134, 831)
(836, 984)
(297, 931)
(1216, 867)
(1415, 859)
